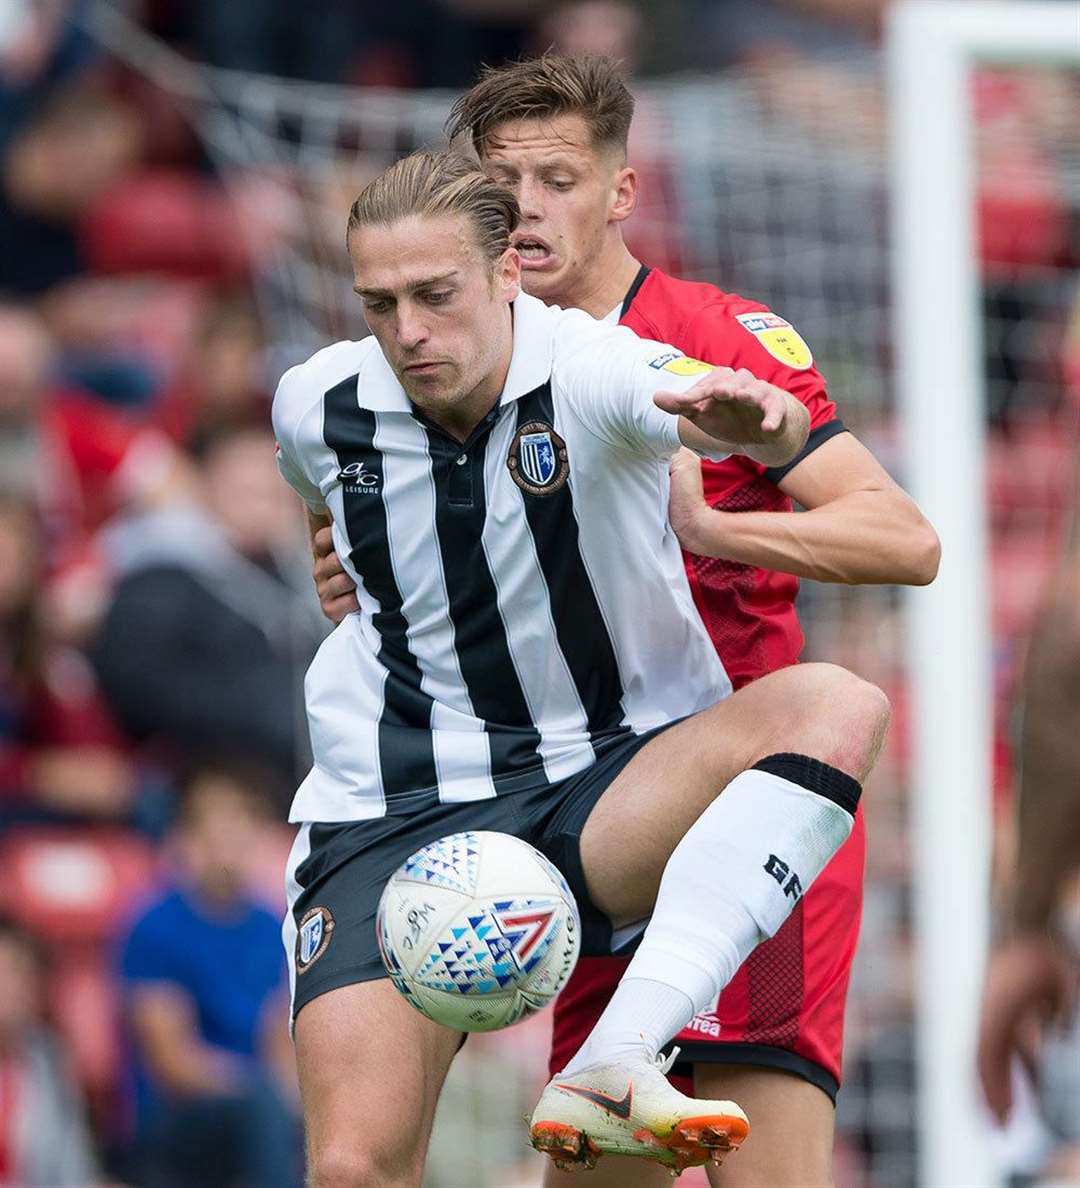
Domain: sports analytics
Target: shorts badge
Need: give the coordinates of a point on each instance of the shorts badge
(313, 939)
(779, 338)
(537, 460)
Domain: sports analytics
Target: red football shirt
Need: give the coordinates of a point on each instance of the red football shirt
(748, 612)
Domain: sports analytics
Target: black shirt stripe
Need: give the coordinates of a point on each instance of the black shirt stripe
(480, 640)
(579, 624)
(406, 747)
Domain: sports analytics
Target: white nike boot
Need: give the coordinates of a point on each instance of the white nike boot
(632, 1109)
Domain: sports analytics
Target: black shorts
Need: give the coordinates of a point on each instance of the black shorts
(336, 872)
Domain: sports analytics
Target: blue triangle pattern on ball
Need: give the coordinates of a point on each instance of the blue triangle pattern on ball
(449, 862)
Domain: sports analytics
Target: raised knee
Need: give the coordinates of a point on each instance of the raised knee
(871, 704)
(342, 1165)
(859, 713)
(853, 696)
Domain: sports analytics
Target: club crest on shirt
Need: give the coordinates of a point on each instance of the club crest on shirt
(779, 338)
(313, 939)
(537, 459)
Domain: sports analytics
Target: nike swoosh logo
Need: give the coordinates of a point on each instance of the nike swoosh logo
(620, 1108)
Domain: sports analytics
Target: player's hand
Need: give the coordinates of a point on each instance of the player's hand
(732, 406)
(686, 503)
(1027, 985)
(336, 590)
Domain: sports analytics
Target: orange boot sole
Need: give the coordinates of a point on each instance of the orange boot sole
(692, 1143)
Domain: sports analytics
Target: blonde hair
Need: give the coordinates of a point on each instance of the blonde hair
(591, 86)
(438, 184)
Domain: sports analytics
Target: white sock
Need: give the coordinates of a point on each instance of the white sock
(729, 884)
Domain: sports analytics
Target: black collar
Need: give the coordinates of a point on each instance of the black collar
(632, 292)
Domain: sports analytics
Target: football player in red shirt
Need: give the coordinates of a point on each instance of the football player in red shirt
(554, 131)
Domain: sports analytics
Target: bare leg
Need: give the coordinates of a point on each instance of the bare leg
(371, 1069)
(791, 1139)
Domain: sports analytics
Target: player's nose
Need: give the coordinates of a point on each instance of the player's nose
(409, 327)
(530, 198)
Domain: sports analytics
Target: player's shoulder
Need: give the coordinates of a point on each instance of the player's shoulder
(718, 326)
(302, 388)
(306, 382)
(670, 304)
(575, 332)
(591, 357)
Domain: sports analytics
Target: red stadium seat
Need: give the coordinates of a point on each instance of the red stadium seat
(73, 886)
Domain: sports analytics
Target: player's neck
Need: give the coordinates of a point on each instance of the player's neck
(607, 282)
(459, 419)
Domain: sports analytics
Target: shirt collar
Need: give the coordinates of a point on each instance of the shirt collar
(530, 363)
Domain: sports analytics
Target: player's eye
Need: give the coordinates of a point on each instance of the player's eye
(376, 305)
(560, 183)
(438, 297)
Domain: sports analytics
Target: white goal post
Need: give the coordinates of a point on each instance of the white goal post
(930, 50)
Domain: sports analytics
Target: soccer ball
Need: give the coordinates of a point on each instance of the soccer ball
(478, 930)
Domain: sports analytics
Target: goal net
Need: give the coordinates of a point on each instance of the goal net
(781, 186)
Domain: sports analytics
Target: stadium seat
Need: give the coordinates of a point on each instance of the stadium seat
(73, 886)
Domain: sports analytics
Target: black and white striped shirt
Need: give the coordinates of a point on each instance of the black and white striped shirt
(523, 602)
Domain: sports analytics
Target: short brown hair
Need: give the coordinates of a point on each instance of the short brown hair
(537, 88)
(436, 184)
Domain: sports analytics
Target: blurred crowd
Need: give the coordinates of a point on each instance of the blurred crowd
(156, 607)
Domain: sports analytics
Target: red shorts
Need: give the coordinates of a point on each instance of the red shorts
(784, 1009)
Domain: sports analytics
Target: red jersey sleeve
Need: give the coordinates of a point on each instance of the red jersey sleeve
(745, 334)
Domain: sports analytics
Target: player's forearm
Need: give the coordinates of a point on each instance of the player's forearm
(867, 537)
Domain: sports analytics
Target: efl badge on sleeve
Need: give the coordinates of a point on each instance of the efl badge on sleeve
(679, 364)
(537, 460)
(779, 338)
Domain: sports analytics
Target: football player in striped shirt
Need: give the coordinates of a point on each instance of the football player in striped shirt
(554, 130)
(526, 658)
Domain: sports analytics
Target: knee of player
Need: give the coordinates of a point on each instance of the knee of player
(862, 714)
(349, 1163)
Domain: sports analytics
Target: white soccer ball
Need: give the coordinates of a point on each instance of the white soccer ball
(478, 930)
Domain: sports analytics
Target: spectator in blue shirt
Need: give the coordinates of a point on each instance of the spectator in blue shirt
(205, 993)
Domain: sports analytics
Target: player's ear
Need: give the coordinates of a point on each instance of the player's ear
(507, 274)
(624, 192)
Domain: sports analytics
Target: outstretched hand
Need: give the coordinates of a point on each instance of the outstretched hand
(731, 406)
